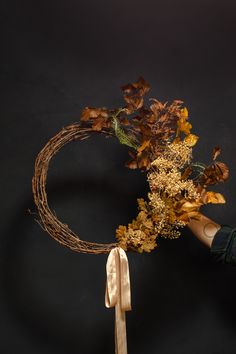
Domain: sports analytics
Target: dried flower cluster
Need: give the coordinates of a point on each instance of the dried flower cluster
(161, 141)
(158, 216)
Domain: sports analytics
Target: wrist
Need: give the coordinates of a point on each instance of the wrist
(204, 229)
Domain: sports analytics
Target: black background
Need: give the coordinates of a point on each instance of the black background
(56, 58)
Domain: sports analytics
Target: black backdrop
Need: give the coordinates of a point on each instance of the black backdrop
(56, 58)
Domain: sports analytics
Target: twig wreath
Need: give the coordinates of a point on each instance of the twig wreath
(59, 231)
(160, 141)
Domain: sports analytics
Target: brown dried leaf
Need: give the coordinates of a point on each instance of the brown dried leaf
(157, 106)
(143, 162)
(125, 121)
(98, 124)
(216, 152)
(215, 173)
(92, 113)
(144, 112)
(151, 119)
(140, 87)
(144, 145)
(163, 118)
(134, 102)
(128, 88)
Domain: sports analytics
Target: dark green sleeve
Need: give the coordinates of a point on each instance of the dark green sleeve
(223, 248)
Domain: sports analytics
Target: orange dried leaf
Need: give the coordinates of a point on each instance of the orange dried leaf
(215, 198)
(184, 113)
(145, 144)
(184, 126)
(191, 140)
(176, 140)
(191, 206)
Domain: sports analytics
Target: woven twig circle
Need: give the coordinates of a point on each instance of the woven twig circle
(56, 229)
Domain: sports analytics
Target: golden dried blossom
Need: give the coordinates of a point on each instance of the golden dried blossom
(180, 153)
(172, 184)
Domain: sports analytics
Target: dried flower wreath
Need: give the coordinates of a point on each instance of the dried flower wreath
(160, 139)
(161, 142)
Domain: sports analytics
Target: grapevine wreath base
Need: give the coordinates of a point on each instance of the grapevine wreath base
(59, 231)
(160, 139)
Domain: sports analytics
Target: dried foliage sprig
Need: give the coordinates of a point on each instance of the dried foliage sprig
(159, 136)
(162, 142)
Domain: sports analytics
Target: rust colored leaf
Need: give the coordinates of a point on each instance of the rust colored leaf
(222, 171)
(133, 94)
(92, 113)
(163, 118)
(140, 87)
(134, 102)
(157, 106)
(125, 121)
(151, 119)
(144, 112)
(216, 152)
